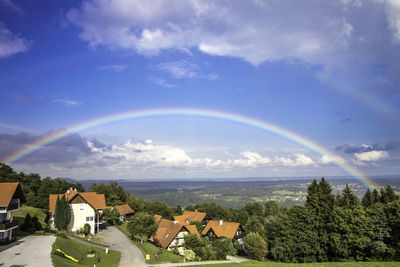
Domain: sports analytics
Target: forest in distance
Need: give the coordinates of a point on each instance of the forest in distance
(233, 193)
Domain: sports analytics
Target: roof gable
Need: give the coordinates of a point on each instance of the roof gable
(190, 216)
(222, 229)
(124, 209)
(96, 201)
(9, 191)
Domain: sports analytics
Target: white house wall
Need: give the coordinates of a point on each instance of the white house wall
(79, 213)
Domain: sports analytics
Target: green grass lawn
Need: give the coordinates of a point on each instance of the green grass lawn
(23, 210)
(79, 251)
(149, 248)
(253, 263)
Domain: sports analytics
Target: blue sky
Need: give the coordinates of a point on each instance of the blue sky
(326, 70)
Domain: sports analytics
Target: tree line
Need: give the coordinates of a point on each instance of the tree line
(36, 189)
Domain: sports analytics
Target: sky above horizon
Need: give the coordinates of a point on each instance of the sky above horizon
(328, 71)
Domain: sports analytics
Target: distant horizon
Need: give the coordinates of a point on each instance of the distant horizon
(97, 89)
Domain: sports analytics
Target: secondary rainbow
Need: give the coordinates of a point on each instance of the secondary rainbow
(212, 114)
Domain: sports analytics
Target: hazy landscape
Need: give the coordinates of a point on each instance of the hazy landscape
(234, 193)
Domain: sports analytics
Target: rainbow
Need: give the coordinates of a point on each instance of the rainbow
(212, 114)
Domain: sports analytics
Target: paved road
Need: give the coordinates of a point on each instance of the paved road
(130, 254)
(30, 251)
(230, 259)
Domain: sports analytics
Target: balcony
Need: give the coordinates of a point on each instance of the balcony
(8, 225)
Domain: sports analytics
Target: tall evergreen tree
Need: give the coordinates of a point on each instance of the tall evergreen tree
(58, 215)
(348, 199)
(66, 211)
(388, 195)
(368, 199)
(375, 196)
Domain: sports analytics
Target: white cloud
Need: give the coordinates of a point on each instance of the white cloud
(298, 160)
(393, 11)
(163, 83)
(371, 155)
(184, 69)
(114, 68)
(314, 32)
(11, 43)
(67, 102)
(328, 160)
(179, 69)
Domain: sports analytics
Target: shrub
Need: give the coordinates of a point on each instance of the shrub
(86, 229)
(36, 224)
(91, 250)
(62, 234)
(189, 254)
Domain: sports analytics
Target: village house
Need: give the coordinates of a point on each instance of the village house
(190, 216)
(125, 211)
(86, 207)
(11, 198)
(170, 234)
(221, 229)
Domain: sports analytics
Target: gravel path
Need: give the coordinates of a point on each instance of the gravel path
(130, 254)
(30, 251)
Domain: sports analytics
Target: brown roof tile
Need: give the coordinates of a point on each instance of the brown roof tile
(8, 191)
(226, 229)
(167, 231)
(124, 209)
(97, 201)
(189, 216)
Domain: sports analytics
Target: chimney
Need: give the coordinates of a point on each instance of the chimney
(196, 210)
(68, 191)
(175, 222)
(221, 222)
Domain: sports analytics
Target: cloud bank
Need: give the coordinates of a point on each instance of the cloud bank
(11, 43)
(314, 32)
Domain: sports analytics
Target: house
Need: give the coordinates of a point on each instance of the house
(170, 234)
(190, 216)
(125, 211)
(86, 207)
(221, 229)
(11, 198)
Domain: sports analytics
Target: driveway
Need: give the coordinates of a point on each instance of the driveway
(130, 254)
(30, 251)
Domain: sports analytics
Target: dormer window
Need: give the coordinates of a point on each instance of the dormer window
(167, 235)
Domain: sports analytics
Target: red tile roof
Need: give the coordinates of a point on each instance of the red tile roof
(97, 201)
(124, 209)
(168, 230)
(221, 228)
(189, 216)
(10, 190)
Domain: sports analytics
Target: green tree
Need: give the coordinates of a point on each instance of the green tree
(348, 199)
(28, 224)
(67, 211)
(193, 242)
(388, 195)
(271, 208)
(256, 245)
(142, 225)
(59, 215)
(367, 200)
(254, 225)
(86, 229)
(111, 216)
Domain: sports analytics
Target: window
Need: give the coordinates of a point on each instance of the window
(81, 207)
(91, 218)
(87, 218)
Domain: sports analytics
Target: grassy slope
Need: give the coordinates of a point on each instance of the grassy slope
(149, 248)
(253, 263)
(22, 211)
(79, 251)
